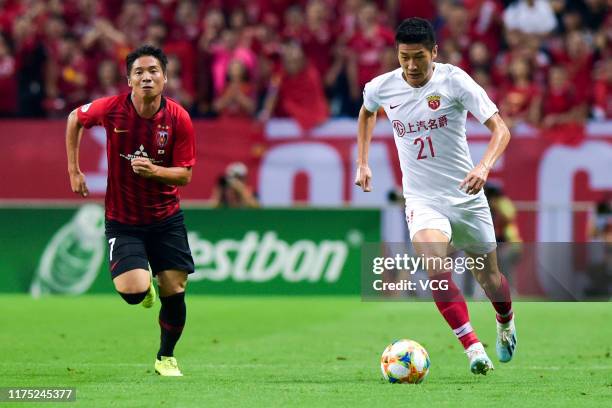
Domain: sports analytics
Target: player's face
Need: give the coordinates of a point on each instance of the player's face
(416, 62)
(147, 79)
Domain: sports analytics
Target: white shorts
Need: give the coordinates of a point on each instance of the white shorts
(468, 225)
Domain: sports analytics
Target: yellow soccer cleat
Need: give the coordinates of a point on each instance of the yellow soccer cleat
(149, 300)
(167, 367)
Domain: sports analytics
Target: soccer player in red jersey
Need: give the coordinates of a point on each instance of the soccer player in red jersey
(150, 151)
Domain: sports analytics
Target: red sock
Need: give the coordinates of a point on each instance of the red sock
(452, 306)
(502, 301)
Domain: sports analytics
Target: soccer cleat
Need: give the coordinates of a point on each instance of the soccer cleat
(150, 298)
(480, 363)
(167, 367)
(506, 341)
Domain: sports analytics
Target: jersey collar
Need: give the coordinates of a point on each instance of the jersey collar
(162, 105)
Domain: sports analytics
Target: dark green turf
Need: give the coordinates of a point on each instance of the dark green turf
(301, 351)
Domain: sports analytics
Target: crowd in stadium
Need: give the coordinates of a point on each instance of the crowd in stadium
(543, 62)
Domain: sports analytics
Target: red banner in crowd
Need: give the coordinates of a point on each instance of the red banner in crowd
(318, 170)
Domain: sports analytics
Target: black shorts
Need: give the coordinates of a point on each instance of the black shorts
(163, 245)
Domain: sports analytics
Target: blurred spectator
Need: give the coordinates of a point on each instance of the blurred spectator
(348, 18)
(108, 80)
(8, 80)
(559, 103)
(568, 21)
(319, 40)
(132, 21)
(503, 213)
(513, 40)
(183, 55)
(66, 78)
(456, 27)
(602, 91)
(602, 40)
(520, 95)
(212, 25)
(185, 25)
(399, 10)
(589, 13)
(450, 53)
(156, 33)
(297, 91)
(578, 59)
(538, 61)
(601, 221)
(293, 23)
(9, 11)
(228, 49)
(84, 17)
(530, 16)
(31, 58)
(486, 22)
(483, 79)
(479, 58)
(367, 48)
(175, 87)
(237, 99)
(103, 41)
(232, 190)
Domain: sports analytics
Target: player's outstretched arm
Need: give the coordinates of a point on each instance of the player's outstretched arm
(173, 176)
(74, 132)
(500, 136)
(365, 127)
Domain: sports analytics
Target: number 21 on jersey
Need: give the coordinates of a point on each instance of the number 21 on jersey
(422, 141)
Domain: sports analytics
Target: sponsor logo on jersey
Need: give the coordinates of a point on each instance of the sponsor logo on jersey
(399, 127)
(417, 126)
(85, 108)
(140, 152)
(433, 101)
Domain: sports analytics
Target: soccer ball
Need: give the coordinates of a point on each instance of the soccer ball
(404, 361)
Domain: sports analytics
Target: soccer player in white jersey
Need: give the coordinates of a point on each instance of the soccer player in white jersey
(427, 104)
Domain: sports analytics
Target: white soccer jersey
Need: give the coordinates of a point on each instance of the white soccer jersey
(429, 129)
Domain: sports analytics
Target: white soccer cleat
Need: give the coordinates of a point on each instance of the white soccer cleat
(480, 363)
(506, 341)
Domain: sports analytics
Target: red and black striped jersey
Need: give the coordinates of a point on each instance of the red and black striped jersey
(167, 139)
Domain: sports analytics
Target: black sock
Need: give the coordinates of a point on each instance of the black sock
(172, 317)
(133, 298)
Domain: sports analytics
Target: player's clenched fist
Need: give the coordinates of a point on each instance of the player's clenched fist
(77, 183)
(475, 180)
(143, 167)
(363, 178)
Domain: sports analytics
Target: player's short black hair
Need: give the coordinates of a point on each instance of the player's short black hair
(415, 30)
(143, 51)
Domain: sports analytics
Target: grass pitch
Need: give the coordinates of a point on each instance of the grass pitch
(300, 351)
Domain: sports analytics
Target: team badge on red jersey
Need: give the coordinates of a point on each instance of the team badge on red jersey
(433, 101)
(162, 138)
